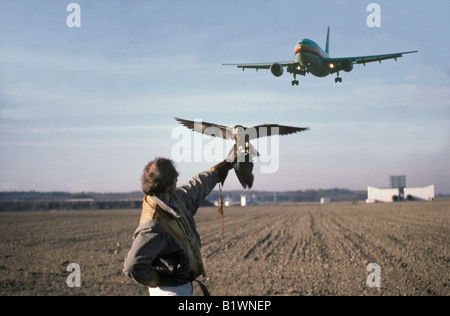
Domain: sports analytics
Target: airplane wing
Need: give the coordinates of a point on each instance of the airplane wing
(293, 67)
(369, 59)
(263, 65)
(339, 62)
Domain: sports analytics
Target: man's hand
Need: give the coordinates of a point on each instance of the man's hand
(155, 282)
(223, 167)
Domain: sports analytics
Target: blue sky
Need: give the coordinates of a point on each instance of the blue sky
(84, 109)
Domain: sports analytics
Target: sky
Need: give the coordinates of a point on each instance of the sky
(86, 108)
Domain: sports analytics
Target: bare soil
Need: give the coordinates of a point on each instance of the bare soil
(297, 249)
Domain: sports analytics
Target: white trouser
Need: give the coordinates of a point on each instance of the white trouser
(181, 290)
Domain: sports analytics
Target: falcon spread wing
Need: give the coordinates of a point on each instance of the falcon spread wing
(273, 129)
(206, 128)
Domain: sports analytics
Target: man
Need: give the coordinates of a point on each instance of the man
(165, 255)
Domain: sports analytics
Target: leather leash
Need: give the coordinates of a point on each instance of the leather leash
(220, 211)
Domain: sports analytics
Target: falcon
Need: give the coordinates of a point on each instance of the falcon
(243, 149)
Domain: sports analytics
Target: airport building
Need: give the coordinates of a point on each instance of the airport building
(399, 192)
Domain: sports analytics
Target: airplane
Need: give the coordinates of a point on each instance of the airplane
(310, 58)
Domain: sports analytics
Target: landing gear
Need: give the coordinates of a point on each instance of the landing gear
(295, 81)
(338, 79)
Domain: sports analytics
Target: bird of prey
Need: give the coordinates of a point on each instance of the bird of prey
(243, 149)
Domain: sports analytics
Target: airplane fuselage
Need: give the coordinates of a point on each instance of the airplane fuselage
(311, 57)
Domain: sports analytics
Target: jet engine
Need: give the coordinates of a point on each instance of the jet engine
(276, 70)
(346, 65)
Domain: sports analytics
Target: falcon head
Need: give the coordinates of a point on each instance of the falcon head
(238, 129)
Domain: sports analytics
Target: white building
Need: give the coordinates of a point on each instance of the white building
(425, 193)
(381, 195)
(246, 201)
(395, 194)
(243, 200)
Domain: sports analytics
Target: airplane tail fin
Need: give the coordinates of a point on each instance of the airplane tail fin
(327, 46)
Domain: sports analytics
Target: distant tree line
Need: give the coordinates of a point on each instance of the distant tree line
(46, 201)
(22, 206)
(336, 195)
(57, 196)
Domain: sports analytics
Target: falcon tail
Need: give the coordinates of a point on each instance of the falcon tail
(244, 173)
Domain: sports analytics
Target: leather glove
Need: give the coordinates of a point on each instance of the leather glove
(222, 169)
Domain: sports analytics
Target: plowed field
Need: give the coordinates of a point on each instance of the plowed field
(298, 249)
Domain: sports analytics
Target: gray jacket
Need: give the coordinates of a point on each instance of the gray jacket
(166, 244)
